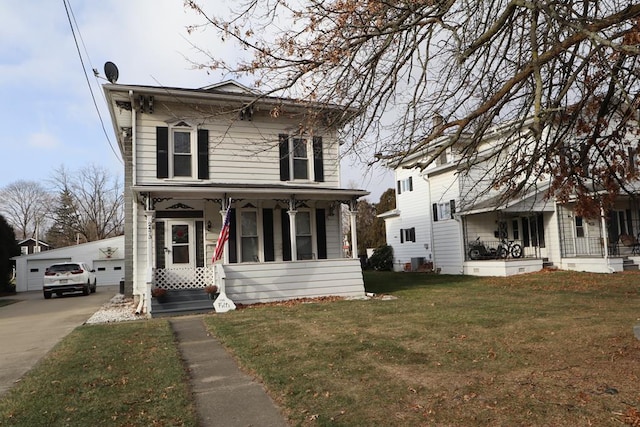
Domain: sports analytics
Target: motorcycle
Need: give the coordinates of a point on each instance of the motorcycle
(478, 250)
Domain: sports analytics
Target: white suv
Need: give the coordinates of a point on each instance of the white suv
(69, 277)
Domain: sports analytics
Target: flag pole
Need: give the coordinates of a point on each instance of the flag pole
(222, 304)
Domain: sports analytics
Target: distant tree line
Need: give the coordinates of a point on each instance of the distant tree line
(370, 228)
(81, 206)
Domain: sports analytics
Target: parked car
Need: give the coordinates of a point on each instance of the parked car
(69, 277)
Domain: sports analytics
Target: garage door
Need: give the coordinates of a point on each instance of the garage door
(109, 272)
(35, 271)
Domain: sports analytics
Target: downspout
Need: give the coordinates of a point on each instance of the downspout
(146, 296)
(433, 250)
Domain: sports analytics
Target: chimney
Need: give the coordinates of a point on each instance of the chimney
(438, 121)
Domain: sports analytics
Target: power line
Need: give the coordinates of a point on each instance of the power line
(67, 7)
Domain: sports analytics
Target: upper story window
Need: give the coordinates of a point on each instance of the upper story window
(182, 152)
(444, 210)
(182, 149)
(301, 158)
(405, 185)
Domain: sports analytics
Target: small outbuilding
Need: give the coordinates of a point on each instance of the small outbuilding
(105, 256)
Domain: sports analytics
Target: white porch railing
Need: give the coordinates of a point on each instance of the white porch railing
(183, 278)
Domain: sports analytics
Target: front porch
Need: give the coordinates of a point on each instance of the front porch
(250, 283)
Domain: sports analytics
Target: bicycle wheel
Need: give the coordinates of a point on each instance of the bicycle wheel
(516, 251)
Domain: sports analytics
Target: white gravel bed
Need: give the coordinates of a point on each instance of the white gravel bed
(118, 309)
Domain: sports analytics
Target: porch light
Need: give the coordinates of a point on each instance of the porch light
(209, 225)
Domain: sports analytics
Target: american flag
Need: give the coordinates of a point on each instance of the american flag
(223, 237)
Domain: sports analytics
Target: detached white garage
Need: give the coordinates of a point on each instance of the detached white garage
(105, 256)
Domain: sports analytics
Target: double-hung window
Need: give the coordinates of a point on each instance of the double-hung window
(249, 235)
(444, 210)
(405, 185)
(301, 158)
(182, 151)
(304, 242)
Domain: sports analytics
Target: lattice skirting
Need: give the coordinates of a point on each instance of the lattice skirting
(183, 278)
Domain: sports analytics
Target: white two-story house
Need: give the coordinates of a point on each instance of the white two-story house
(461, 224)
(192, 153)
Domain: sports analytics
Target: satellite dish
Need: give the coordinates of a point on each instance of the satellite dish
(111, 71)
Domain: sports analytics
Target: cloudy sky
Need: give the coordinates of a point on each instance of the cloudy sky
(47, 112)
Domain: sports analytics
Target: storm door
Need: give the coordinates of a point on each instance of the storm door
(180, 248)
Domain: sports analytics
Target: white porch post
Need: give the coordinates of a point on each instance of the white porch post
(292, 227)
(150, 217)
(605, 236)
(353, 213)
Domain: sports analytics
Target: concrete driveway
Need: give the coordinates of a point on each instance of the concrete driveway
(31, 327)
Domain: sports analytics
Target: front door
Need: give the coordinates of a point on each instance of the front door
(581, 234)
(179, 244)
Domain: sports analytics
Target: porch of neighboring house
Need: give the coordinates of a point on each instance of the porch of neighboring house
(586, 246)
(505, 243)
(278, 249)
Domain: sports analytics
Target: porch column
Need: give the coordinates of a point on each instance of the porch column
(292, 226)
(353, 213)
(150, 216)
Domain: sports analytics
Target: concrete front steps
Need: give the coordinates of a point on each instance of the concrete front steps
(629, 265)
(548, 265)
(182, 301)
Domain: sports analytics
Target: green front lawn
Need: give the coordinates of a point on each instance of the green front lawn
(551, 348)
(127, 374)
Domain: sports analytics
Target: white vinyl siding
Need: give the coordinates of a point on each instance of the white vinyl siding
(251, 283)
(446, 234)
(413, 203)
(242, 152)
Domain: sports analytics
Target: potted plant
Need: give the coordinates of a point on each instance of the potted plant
(212, 291)
(160, 294)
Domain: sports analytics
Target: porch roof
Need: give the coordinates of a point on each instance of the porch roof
(257, 191)
(389, 214)
(533, 203)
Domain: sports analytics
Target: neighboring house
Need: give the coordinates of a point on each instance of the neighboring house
(32, 246)
(105, 256)
(187, 152)
(460, 225)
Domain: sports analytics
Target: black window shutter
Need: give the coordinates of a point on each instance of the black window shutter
(410, 183)
(435, 212)
(401, 235)
(413, 234)
(162, 152)
(284, 157)
(233, 254)
(318, 164)
(199, 243)
(203, 153)
(160, 244)
(321, 233)
(452, 207)
(267, 227)
(629, 224)
(399, 188)
(286, 236)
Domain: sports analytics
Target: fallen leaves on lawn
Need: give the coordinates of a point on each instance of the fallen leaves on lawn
(291, 302)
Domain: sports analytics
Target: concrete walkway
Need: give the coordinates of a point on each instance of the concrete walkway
(224, 395)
